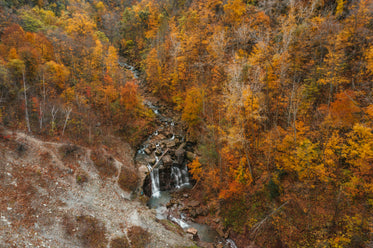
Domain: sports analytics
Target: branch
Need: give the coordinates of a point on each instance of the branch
(160, 158)
(258, 225)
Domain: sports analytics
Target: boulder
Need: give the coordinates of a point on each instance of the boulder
(151, 160)
(193, 203)
(158, 152)
(190, 156)
(159, 137)
(170, 143)
(180, 154)
(167, 160)
(147, 151)
(192, 231)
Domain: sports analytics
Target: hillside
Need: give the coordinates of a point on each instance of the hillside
(54, 195)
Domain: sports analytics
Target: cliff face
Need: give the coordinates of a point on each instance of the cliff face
(63, 195)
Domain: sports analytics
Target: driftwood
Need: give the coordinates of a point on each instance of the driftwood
(159, 160)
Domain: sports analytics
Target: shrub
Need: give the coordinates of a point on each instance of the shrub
(128, 179)
(103, 163)
(120, 242)
(138, 236)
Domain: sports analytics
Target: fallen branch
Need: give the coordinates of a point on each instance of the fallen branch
(258, 225)
(159, 160)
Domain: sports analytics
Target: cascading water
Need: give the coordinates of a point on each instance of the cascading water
(154, 175)
(181, 176)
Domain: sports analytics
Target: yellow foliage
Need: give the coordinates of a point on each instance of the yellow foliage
(196, 169)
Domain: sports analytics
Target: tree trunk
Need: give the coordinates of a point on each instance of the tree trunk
(25, 94)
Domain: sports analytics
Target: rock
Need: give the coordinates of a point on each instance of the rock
(185, 195)
(180, 154)
(190, 236)
(167, 160)
(159, 137)
(147, 151)
(168, 134)
(158, 152)
(220, 245)
(193, 203)
(190, 156)
(192, 231)
(151, 160)
(170, 143)
(151, 147)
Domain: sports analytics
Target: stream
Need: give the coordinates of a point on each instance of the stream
(165, 154)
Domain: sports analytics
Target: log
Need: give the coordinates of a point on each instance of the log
(160, 158)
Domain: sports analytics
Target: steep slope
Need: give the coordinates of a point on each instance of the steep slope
(53, 195)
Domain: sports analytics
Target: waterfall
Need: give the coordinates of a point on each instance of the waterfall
(154, 176)
(180, 176)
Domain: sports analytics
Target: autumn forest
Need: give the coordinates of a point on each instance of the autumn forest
(276, 95)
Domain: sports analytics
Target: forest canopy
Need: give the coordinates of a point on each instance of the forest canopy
(277, 95)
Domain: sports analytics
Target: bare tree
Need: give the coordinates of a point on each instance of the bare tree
(67, 112)
(25, 95)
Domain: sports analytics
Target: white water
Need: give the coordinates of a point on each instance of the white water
(154, 177)
(181, 177)
(231, 243)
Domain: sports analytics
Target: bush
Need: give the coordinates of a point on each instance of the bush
(89, 230)
(120, 242)
(103, 163)
(138, 236)
(128, 179)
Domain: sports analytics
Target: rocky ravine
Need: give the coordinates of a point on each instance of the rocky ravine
(55, 195)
